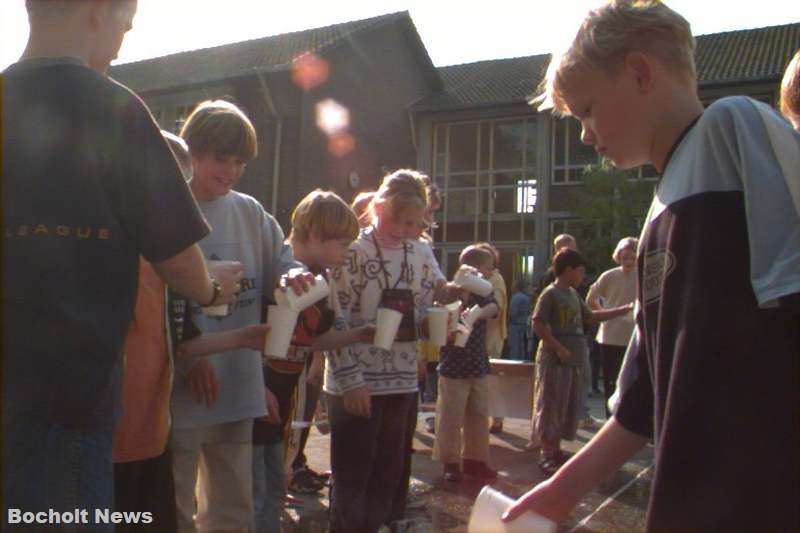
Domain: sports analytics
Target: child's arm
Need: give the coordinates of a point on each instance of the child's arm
(557, 496)
(334, 339)
(210, 343)
(593, 317)
(542, 331)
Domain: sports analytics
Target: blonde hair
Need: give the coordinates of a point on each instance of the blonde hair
(628, 243)
(324, 215)
(400, 190)
(611, 31)
(361, 206)
(221, 128)
(181, 152)
(790, 90)
(561, 238)
(476, 255)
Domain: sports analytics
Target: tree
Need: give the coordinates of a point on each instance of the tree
(610, 205)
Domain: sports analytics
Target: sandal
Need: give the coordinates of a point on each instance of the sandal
(549, 465)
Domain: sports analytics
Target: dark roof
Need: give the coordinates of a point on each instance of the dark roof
(730, 57)
(266, 54)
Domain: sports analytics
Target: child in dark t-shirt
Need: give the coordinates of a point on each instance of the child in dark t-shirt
(463, 401)
(558, 321)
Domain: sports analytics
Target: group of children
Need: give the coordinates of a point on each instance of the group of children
(231, 409)
(710, 375)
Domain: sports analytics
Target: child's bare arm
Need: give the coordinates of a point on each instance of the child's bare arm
(334, 339)
(607, 314)
(605, 453)
(209, 343)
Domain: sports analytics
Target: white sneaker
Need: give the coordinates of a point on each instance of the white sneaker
(590, 423)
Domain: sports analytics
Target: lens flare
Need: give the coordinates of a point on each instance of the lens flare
(332, 117)
(309, 71)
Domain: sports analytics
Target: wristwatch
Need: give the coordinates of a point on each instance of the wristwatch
(217, 292)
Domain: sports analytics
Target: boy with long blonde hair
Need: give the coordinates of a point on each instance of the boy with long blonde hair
(713, 360)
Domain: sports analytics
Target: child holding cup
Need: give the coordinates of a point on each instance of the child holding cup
(323, 227)
(371, 389)
(463, 401)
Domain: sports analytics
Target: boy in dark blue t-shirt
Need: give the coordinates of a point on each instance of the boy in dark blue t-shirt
(463, 400)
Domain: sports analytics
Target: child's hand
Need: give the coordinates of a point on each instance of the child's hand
(564, 354)
(365, 334)
(203, 382)
(358, 401)
(297, 281)
(254, 337)
(273, 410)
(228, 274)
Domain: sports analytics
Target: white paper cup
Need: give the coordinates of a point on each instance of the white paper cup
(462, 335)
(454, 310)
(216, 310)
(282, 321)
(315, 293)
(489, 507)
(387, 323)
(472, 315)
(437, 325)
(473, 283)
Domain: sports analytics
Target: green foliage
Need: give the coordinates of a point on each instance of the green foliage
(611, 206)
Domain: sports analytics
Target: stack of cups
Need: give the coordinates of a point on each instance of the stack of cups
(386, 326)
(474, 283)
(490, 506)
(437, 325)
(462, 335)
(282, 318)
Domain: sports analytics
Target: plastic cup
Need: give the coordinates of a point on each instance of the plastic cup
(489, 507)
(282, 321)
(472, 315)
(462, 335)
(454, 310)
(473, 283)
(437, 325)
(216, 310)
(315, 293)
(386, 326)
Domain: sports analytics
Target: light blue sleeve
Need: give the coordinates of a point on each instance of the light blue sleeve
(773, 224)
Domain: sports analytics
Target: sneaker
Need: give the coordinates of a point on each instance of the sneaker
(306, 481)
(496, 428)
(479, 469)
(452, 473)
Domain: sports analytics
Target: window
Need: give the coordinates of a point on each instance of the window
(570, 155)
(487, 170)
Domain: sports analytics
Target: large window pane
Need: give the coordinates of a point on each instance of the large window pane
(508, 139)
(530, 143)
(486, 142)
(461, 203)
(463, 147)
(460, 232)
(505, 200)
(579, 153)
(506, 179)
(559, 137)
(462, 180)
(506, 230)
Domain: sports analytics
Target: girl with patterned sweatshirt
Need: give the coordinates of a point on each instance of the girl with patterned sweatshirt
(371, 390)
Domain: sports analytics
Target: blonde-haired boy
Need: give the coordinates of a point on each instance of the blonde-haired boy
(711, 374)
(323, 227)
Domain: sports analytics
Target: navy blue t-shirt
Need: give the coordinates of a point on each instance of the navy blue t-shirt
(471, 361)
(89, 186)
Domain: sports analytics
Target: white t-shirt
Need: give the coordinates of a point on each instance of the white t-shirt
(615, 288)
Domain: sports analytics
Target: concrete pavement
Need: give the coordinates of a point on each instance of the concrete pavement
(618, 504)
